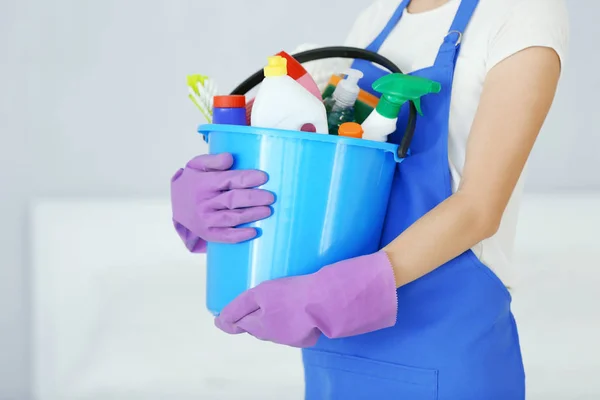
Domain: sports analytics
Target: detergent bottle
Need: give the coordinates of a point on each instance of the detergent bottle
(297, 72)
(396, 89)
(283, 103)
(364, 105)
(229, 109)
(340, 105)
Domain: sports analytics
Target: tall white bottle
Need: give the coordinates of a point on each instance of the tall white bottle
(282, 103)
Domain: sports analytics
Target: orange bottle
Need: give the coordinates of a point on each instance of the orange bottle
(351, 129)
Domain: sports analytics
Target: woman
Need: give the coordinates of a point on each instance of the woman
(428, 316)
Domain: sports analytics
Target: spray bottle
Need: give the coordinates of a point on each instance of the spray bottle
(396, 89)
(340, 106)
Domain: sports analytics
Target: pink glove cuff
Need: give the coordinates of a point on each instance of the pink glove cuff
(192, 242)
(373, 307)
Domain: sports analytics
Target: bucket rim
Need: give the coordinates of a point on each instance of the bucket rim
(206, 129)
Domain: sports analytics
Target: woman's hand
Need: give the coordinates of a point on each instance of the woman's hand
(348, 298)
(209, 201)
(516, 97)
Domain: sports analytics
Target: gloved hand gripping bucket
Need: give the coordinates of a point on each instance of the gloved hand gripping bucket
(331, 200)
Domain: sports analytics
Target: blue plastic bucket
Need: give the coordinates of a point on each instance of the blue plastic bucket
(331, 200)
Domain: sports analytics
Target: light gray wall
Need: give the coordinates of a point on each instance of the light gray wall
(93, 103)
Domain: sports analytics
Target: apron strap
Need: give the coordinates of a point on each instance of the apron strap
(389, 27)
(450, 47)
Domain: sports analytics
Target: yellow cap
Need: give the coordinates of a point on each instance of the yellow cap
(277, 66)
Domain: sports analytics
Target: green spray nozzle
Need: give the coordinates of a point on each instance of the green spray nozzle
(397, 89)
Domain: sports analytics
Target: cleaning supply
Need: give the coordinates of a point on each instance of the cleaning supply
(351, 129)
(283, 103)
(396, 89)
(296, 71)
(364, 105)
(229, 110)
(201, 90)
(340, 105)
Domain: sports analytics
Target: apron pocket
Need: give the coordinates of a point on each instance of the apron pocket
(336, 376)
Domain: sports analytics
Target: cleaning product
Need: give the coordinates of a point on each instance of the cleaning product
(297, 72)
(201, 90)
(229, 110)
(363, 106)
(396, 89)
(351, 129)
(283, 103)
(340, 105)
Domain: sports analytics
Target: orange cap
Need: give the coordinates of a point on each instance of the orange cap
(351, 129)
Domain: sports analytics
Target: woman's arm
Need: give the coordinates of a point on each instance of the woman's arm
(516, 98)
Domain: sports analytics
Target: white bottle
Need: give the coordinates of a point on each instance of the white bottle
(377, 127)
(282, 103)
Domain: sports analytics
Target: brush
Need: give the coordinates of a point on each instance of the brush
(201, 91)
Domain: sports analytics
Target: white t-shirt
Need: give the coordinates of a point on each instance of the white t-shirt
(498, 29)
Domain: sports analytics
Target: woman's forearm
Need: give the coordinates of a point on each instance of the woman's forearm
(516, 97)
(447, 231)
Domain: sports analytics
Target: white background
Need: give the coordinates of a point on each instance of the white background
(93, 104)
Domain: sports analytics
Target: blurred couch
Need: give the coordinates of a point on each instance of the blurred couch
(119, 308)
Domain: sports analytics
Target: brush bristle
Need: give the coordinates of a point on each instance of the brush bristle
(203, 92)
(207, 93)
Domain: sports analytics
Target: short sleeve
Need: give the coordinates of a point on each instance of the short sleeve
(530, 23)
(370, 22)
(363, 30)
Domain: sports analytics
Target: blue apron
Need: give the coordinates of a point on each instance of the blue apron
(455, 337)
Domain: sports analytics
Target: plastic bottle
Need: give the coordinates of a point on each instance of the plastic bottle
(229, 110)
(283, 103)
(351, 129)
(396, 89)
(297, 72)
(340, 106)
(364, 105)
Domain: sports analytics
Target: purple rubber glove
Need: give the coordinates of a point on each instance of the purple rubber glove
(209, 201)
(348, 298)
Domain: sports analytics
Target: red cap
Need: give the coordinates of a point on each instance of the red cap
(294, 68)
(230, 101)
